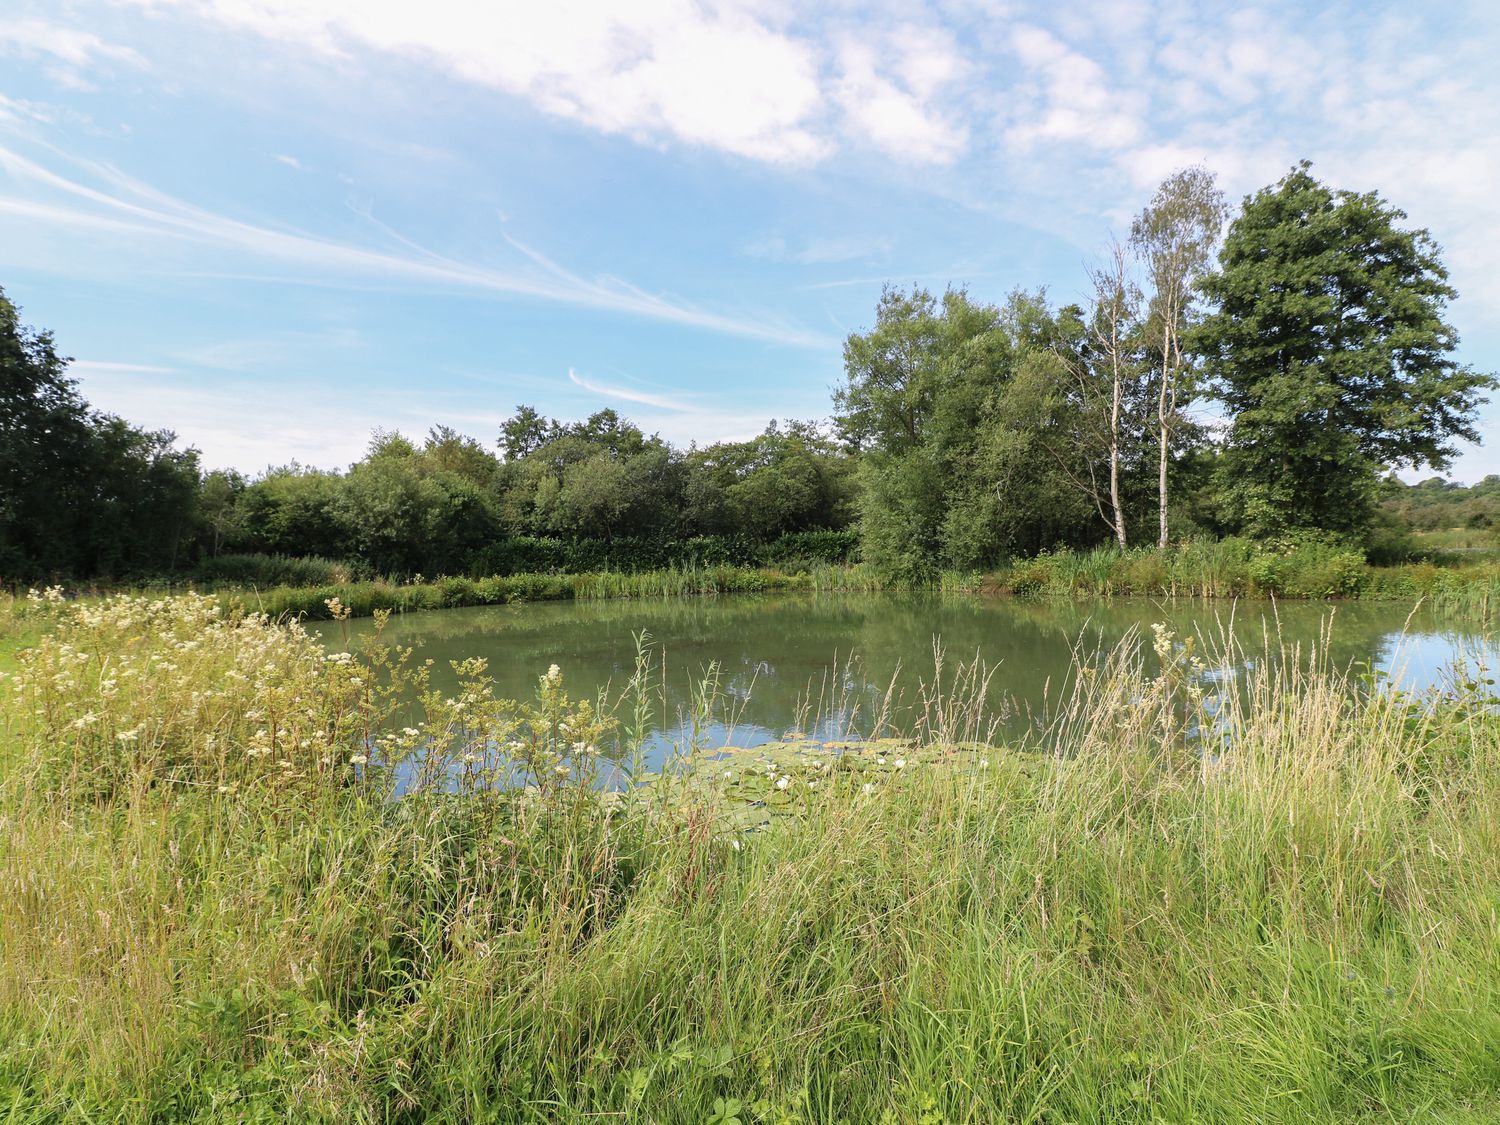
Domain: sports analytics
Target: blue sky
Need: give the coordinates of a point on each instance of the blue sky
(273, 225)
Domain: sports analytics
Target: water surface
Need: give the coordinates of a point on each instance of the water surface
(827, 664)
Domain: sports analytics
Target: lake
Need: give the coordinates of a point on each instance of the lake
(826, 664)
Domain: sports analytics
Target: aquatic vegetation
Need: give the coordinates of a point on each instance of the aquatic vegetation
(1268, 900)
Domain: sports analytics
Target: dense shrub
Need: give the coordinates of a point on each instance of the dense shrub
(272, 570)
(526, 554)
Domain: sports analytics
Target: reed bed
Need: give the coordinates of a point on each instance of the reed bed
(1268, 896)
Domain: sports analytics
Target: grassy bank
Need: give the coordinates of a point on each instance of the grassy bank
(1194, 570)
(364, 598)
(211, 909)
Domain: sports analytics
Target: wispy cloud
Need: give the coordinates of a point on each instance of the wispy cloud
(66, 44)
(103, 368)
(627, 394)
(124, 205)
(820, 250)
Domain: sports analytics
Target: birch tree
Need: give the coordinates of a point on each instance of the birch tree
(1174, 238)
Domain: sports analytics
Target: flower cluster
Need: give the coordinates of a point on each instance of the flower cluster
(175, 689)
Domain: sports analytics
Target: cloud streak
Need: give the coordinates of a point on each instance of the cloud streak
(124, 205)
(624, 394)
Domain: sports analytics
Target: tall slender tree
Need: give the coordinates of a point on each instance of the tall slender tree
(1175, 237)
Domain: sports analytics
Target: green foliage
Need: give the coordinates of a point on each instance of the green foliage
(81, 492)
(1296, 926)
(1330, 351)
(950, 402)
(524, 554)
(1437, 515)
(259, 571)
(1292, 566)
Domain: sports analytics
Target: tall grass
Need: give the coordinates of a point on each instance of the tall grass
(1272, 905)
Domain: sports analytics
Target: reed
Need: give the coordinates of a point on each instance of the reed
(1260, 897)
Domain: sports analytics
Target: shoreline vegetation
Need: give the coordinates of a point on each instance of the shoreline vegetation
(1261, 898)
(302, 587)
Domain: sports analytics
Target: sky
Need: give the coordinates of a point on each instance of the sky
(273, 226)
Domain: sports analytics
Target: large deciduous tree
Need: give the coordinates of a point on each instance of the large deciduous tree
(1174, 238)
(1329, 348)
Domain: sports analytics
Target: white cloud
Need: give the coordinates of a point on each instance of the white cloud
(737, 75)
(887, 86)
(1071, 98)
(718, 75)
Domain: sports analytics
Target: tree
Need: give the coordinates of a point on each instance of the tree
(44, 450)
(221, 508)
(526, 431)
(1174, 237)
(81, 493)
(942, 402)
(1329, 348)
(1093, 415)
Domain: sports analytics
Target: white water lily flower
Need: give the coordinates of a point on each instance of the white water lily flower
(984, 763)
(880, 761)
(900, 763)
(783, 783)
(735, 844)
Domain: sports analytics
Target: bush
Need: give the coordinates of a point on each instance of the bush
(271, 570)
(526, 554)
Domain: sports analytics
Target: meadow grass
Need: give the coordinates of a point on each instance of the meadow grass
(1276, 903)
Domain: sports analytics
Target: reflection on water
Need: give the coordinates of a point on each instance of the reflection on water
(830, 665)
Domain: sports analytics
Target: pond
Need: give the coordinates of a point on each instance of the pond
(827, 665)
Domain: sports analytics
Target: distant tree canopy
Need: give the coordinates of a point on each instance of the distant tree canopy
(963, 433)
(438, 507)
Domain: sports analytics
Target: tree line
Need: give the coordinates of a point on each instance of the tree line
(1258, 379)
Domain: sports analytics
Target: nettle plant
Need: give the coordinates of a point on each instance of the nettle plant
(132, 691)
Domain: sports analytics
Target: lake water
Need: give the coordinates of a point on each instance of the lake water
(822, 664)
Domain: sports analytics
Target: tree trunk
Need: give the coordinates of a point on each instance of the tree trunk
(1114, 461)
(1164, 419)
